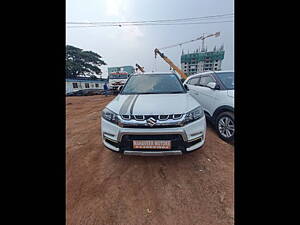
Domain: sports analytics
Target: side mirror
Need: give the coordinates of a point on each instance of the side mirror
(186, 87)
(212, 85)
(120, 88)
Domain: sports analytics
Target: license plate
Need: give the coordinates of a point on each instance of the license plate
(151, 144)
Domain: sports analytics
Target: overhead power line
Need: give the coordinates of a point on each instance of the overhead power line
(145, 24)
(191, 19)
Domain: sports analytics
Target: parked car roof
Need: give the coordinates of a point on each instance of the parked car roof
(210, 72)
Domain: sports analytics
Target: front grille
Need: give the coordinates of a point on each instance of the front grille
(147, 126)
(161, 121)
(156, 117)
(177, 142)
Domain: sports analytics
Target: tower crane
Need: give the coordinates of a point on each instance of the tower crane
(217, 34)
(177, 69)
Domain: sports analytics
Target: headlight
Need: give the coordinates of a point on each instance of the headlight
(110, 116)
(193, 115)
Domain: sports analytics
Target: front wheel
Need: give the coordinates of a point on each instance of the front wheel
(225, 126)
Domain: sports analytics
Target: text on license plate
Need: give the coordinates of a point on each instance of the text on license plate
(152, 144)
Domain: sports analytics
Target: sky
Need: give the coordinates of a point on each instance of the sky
(120, 46)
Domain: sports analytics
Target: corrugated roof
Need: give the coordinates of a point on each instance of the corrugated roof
(85, 80)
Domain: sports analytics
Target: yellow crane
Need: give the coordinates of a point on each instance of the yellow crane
(181, 73)
(177, 69)
(140, 68)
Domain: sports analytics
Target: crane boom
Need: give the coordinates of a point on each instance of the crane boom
(140, 68)
(181, 73)
(217, 34)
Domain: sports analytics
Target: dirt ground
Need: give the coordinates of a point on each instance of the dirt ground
(104, 187)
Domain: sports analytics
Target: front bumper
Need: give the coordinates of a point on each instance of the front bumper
(152, 153)
(183, 139)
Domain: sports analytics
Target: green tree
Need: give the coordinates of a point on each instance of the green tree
(79, 62)
(93, 77)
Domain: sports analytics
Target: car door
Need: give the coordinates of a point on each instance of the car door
(206, 96)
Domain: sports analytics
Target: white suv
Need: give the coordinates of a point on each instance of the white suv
(153, 115)
(215, 92)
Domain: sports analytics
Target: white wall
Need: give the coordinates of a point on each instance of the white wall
(81, 86)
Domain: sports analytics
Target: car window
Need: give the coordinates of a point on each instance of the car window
(153, 84)
(204, 80)
(193, 81)
(227, 79)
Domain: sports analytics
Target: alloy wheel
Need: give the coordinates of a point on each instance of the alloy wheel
(226, 126)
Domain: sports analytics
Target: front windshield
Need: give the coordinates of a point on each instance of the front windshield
(121, 76)
(227, 79)
(153, 84)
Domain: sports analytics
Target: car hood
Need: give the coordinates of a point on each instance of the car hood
(230, 93)
(153, 104)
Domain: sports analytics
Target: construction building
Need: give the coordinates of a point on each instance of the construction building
(202, 61)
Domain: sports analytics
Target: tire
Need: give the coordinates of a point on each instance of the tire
(225, 120)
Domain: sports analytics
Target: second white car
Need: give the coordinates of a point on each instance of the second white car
(215, 92)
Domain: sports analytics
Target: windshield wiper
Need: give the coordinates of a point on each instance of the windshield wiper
(152, 93)
(175, 92)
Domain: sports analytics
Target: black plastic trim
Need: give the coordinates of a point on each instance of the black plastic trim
(222, 109)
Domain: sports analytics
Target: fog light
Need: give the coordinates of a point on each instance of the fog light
(108, 134)
(198, 133)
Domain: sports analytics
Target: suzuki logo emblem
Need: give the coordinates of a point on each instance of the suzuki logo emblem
(151, 121)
